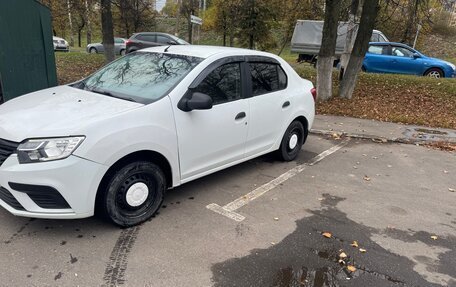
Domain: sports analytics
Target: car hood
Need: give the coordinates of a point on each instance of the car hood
(55, 112)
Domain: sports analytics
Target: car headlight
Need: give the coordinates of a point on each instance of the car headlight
(39, 150)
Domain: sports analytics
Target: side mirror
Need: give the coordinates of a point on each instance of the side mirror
(198, 101)
(416, 56)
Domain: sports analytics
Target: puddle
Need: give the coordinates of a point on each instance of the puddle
(430, 134)
(321, 277)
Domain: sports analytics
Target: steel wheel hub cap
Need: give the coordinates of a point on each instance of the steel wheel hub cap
(137, 194)
(293, 141)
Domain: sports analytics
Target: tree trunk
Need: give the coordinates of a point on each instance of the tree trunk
(366, 26)
(107, 30)
(328, 46)
(89, 23)
(70, 22)
(178, 16)
(349, 39)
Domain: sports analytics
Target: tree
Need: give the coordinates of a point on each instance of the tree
(366, 26)
(107, 30)
(328, 46)
(88, 7)
(189, 8)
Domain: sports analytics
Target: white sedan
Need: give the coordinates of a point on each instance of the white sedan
(150, 121)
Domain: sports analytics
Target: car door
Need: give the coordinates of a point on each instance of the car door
(146, 40)
(404, 62)
(163, 40)
(269, 104)
(215, 138)
(377, 59)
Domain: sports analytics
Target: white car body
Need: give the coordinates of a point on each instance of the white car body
(194, 143)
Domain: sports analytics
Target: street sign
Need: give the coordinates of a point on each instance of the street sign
(196, 20)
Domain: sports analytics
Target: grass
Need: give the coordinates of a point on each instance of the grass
(394, 98)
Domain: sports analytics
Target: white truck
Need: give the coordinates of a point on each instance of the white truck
(306, 40)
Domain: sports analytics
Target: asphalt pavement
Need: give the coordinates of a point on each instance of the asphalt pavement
(293, 224)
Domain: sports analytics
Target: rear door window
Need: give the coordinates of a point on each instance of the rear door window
(378, 49)
(267, 78)
(147, 38)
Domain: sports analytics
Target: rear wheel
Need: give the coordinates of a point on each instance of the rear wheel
(122, 52)
(134, 193)
(93, 50)
(434, 73)
(292, 141)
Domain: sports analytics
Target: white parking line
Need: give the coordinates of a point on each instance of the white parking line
(228, 209)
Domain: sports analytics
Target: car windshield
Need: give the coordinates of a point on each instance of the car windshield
(141, 77)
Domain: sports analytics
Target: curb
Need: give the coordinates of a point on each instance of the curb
(373, 137)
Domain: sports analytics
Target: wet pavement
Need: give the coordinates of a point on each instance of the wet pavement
(392, 199)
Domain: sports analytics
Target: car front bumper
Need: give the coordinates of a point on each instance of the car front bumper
(62, 189)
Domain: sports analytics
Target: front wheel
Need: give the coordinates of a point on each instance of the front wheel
(434, 73)
(134, 193)
(292, 141)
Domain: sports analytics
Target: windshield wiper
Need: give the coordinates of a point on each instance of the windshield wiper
(109, 94)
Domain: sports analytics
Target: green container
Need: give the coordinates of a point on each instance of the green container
(27, 60)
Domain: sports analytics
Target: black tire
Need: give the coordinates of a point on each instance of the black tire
(114, 204)
(93, 50)
(122, 52)
(289, 151)
(434, 73)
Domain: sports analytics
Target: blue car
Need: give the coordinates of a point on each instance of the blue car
(397, 58)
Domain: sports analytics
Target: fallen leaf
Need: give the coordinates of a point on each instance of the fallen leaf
(362, 250)
(366, 178)
(354, 244)
(351, 268)
(276, 218)
(327, 234)
(451, 190)
(343, 255)
(433, 237)
(445, 171)
(341, 261)
(320, 198)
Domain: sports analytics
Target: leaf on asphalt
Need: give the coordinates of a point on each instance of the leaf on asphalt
(366, 178)
(354, 244)
(341, 261)
(351, 268)
(276, 218)
(451, 190)
(343, 255)
(327, 234)
(434, 237)
(320, 198)
(445, 171)
(362, 250)
(336, 136)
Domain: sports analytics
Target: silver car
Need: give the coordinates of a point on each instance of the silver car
(60, 44)
(119, 47)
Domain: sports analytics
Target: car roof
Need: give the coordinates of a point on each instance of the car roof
(207, 51)
(390, 43)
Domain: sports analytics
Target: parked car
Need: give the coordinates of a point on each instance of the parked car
(60, 44)
(150, 121)
(397, 58)
(119, 47)
(152, 39)
(306, 40)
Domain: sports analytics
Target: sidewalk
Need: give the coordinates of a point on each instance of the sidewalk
(380, 131)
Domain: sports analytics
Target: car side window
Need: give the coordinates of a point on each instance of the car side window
(223, 84)
(267, 78)
(147, 38)
(402, 52)
(118, 41)
(377, 49)
(375, 38)
(163, 39)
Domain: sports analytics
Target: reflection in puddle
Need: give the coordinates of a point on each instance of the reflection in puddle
(304, 277)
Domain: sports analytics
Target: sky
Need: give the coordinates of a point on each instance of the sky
(160, 4)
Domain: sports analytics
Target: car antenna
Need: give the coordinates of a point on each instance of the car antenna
(166, 49)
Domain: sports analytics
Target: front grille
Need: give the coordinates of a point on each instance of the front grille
(7, 148)
(9, 199)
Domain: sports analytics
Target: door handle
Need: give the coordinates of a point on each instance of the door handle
(286, 104)
(239, 116)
